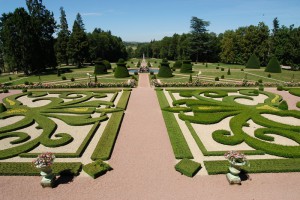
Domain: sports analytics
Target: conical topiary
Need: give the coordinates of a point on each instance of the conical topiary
(187, 67)
(273, 66)
(164, 70)
(2, 108)
(121, 69)
(107, 64)
(177, 64)
(253, 62)
(100, 67)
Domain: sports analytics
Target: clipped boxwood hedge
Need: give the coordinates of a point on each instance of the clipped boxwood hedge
(253, 62)
(100, 68)
(164, 70)
(188, 167)
(273, 66)
(187, 67)
(121, 70)
(96, 169)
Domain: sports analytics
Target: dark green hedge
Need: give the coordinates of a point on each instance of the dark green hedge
(27, 169)
(177, 64)
(2, 108)
(256, 166)
(164, 70)
(96, 169)
(295, 91)
(253, 62)
(187, 67)
(273, 66)
(107, 64)
(100, 68)
(121, 70)
(188, 167)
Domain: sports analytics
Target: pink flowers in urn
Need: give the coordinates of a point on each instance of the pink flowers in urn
(44, 160)
(235, 157)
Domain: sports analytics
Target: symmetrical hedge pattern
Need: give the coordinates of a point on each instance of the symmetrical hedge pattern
(78, 108)
(201, 107)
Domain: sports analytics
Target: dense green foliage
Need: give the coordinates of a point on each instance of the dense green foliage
(100, 68)
(27, 169)
(97, 168)
(256, 166)
(253, 62)
(2, 108)
(121, 71)
(188, 167)
(295, 91)
(186, 67)
(283, 105)
(164, 70)
(273, 66)
(177, 64)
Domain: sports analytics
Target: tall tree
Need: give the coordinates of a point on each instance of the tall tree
(199, 39)
(62, 39)
(44, 26)
(78, 45)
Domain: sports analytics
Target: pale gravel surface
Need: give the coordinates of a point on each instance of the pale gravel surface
(143, 164)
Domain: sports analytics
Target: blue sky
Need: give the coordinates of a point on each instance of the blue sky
(138, 20)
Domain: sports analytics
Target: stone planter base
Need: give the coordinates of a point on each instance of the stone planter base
(233, 179)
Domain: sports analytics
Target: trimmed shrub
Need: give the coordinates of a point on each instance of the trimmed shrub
(273, 66)
(151, 73)
(10, 78)
(222, 69)
(96, 169)
(261, 87)
(188, 167)
(26, 83)
(222, 77)
(279, 87)
(136, 73)
(2, 108)
(107, 64)
(100, 67)
(177, 64)
(5, 90)
(72, 79)
(242, 69)
(24, 90)
(96, 79)
(253, 62)
(217, 67)
(121, 70)
(63, 78)
(58, 72)
(269, 76)
(283, 105)
(187, 67)
(259, 81)
(164, 70)
(228, 72)
(190, 79)
(217, 79)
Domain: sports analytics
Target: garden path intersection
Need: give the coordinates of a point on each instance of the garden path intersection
(143, 167)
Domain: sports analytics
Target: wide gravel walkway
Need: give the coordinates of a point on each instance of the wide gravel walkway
(143, 164)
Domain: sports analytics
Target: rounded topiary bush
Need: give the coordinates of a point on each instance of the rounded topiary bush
(100, 67)
(107, 64)
(121, 70)
(217, 79)
(283, 105)
(273, 66)
(177, 64)
(72, 79)
(64, 78)
(5, 90)
(187, 67)
(164, 70)
(279, 87)
(253, 62)
(24, 90)
(2, 108)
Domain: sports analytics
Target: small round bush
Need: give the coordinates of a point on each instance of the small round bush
(29, 94)
(222, 77)
(2, 108)
(217, 67)
(283, 105)
(72, 79)
(24, 90)
(218, 64)
(26, 82)
(261, 87)
(5, 90)
(222, 69)
(136, 73)
(107, 64)
(279, 87)
(269, 76)
(151, 73)
(242, 69)
(260, 81)
(63, 78)
(10, 78)
(217, 79)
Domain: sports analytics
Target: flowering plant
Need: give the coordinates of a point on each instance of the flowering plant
(235, 157)
(44, 160)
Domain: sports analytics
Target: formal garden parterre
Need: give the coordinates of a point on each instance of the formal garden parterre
(203, 124)
(79, 127)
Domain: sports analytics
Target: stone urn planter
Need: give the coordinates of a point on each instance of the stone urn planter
(44, 163)
(236, 160)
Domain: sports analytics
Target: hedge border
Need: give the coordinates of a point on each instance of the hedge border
(188, 167)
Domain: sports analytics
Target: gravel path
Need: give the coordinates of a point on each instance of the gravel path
(143, 164)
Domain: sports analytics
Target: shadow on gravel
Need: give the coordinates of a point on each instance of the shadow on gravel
(65, 177)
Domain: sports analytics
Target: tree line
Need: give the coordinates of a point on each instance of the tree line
(232, 46)
(27, 41)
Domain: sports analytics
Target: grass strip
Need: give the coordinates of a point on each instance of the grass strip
(124, 100)
(188, 167)
(96, 169)
(109, 136)
(27, 169)
(256, 166)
